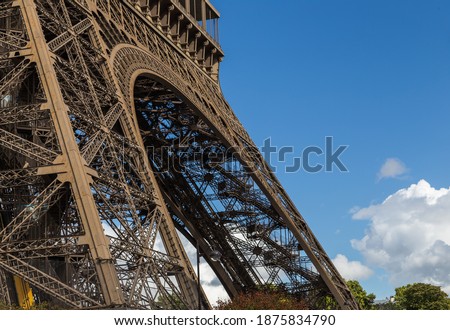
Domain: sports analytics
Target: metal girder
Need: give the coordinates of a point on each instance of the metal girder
(14, 77)
(20, 177)
(79, 179)
(48, 284)
(91, 149)
(4, 289)
(26, 148)
(24, 113)
(31, 213)
(43, 248)
(13, 40)
(67, 36)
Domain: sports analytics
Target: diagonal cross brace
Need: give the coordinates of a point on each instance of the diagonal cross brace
(27, 148)
(14, 78)
(45, 282)
(38, 207)
(67, 36)
(24, 113)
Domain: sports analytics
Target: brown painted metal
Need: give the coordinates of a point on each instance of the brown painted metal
(115, 139)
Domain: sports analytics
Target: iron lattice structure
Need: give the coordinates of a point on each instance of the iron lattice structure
(115, 139)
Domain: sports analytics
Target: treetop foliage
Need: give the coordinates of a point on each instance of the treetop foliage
(263, 298)
(421, 296)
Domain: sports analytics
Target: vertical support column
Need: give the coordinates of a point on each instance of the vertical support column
(188, 6)
(75, 165)
(203, 14)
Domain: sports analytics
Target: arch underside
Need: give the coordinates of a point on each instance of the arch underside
(212, 198)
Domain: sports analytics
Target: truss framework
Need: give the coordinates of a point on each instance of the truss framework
(114, 140)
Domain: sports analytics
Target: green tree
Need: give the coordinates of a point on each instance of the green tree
(364, 300)
(421, 296)
(326, 302)
(387, 305)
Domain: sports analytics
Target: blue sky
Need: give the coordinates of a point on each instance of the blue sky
(375, 75)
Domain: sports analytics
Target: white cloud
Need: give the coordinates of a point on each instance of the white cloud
(392, 168)
(211, 284)
(214, 290)
(351, 270)
(409, 235)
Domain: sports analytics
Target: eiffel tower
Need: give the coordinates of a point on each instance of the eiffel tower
(116, 146)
